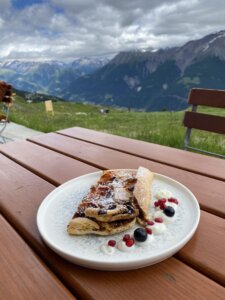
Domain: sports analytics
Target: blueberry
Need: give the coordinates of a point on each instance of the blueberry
(140, 234)
(169, 211)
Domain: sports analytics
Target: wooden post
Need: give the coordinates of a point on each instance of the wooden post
(49, 107)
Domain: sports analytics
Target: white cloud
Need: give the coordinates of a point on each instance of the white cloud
(1, 22)
(4, 6)
(59, 29)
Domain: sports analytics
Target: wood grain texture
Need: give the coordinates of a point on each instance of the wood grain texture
(207, 97)
(197, 163)
(23, 275)
(50, 165)
(204, 122)
(104, 158)
(180, 280)
(205, 251)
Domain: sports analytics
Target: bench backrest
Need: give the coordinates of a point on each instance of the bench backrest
(207, 122)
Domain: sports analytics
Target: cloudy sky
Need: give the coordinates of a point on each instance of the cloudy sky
(65, 29)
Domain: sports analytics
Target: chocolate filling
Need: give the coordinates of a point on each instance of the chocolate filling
(141, 214)
(116, 224)
(102, 212)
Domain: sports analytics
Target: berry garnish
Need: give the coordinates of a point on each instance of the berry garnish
(112, 243)
(163, 200)
(140, 234)
(158, 220)
(169, 211)
(151, 223)
(156, 203)
(162, 206)
(126, 237)
(148, 230)
(129, 243)
(173, 200)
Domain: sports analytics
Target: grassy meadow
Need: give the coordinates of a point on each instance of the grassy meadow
(157, 127)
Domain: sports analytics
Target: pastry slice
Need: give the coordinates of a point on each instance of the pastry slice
(114, 203)
(111, 199)
(81, 226)
(142, 193)
(108, 207)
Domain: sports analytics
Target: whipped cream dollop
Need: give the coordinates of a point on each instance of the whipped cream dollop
(163, 194)
(107, 249)
(123, 247)
(163, 213)
(147, 242)
(157, 228)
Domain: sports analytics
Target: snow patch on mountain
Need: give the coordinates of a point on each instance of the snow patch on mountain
(132, 82)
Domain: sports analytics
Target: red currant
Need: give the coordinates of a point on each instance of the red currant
(159, 220)
(162, 206)
(129, 243)
(151, 223)
(126, 237)
(173, 200)
(163, 200)
(156, 204)
(112, 243)
(148, 230)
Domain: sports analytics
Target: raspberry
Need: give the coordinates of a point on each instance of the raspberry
(126, 237)
(112, 243)
(159, 220)
(148, 230)
(151, 223)
(129, 243)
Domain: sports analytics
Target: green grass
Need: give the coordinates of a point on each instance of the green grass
(163, 128)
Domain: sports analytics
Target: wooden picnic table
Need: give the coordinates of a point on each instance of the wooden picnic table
(31, 169)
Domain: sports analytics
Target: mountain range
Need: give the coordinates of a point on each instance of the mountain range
(48, 76)
(150, 80)
(156, 80)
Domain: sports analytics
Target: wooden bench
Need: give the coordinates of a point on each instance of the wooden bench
(207, 122)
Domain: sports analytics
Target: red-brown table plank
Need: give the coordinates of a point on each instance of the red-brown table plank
(23, 275)
(194, 162)
(23, 217)
(209, 191)
(46, 163)
(206, 250)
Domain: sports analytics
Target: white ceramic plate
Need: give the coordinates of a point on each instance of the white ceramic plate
(59, 206)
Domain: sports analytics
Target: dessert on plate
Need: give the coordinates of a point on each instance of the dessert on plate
(114, 203)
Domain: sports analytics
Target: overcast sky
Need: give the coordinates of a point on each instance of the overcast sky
(66, 29)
